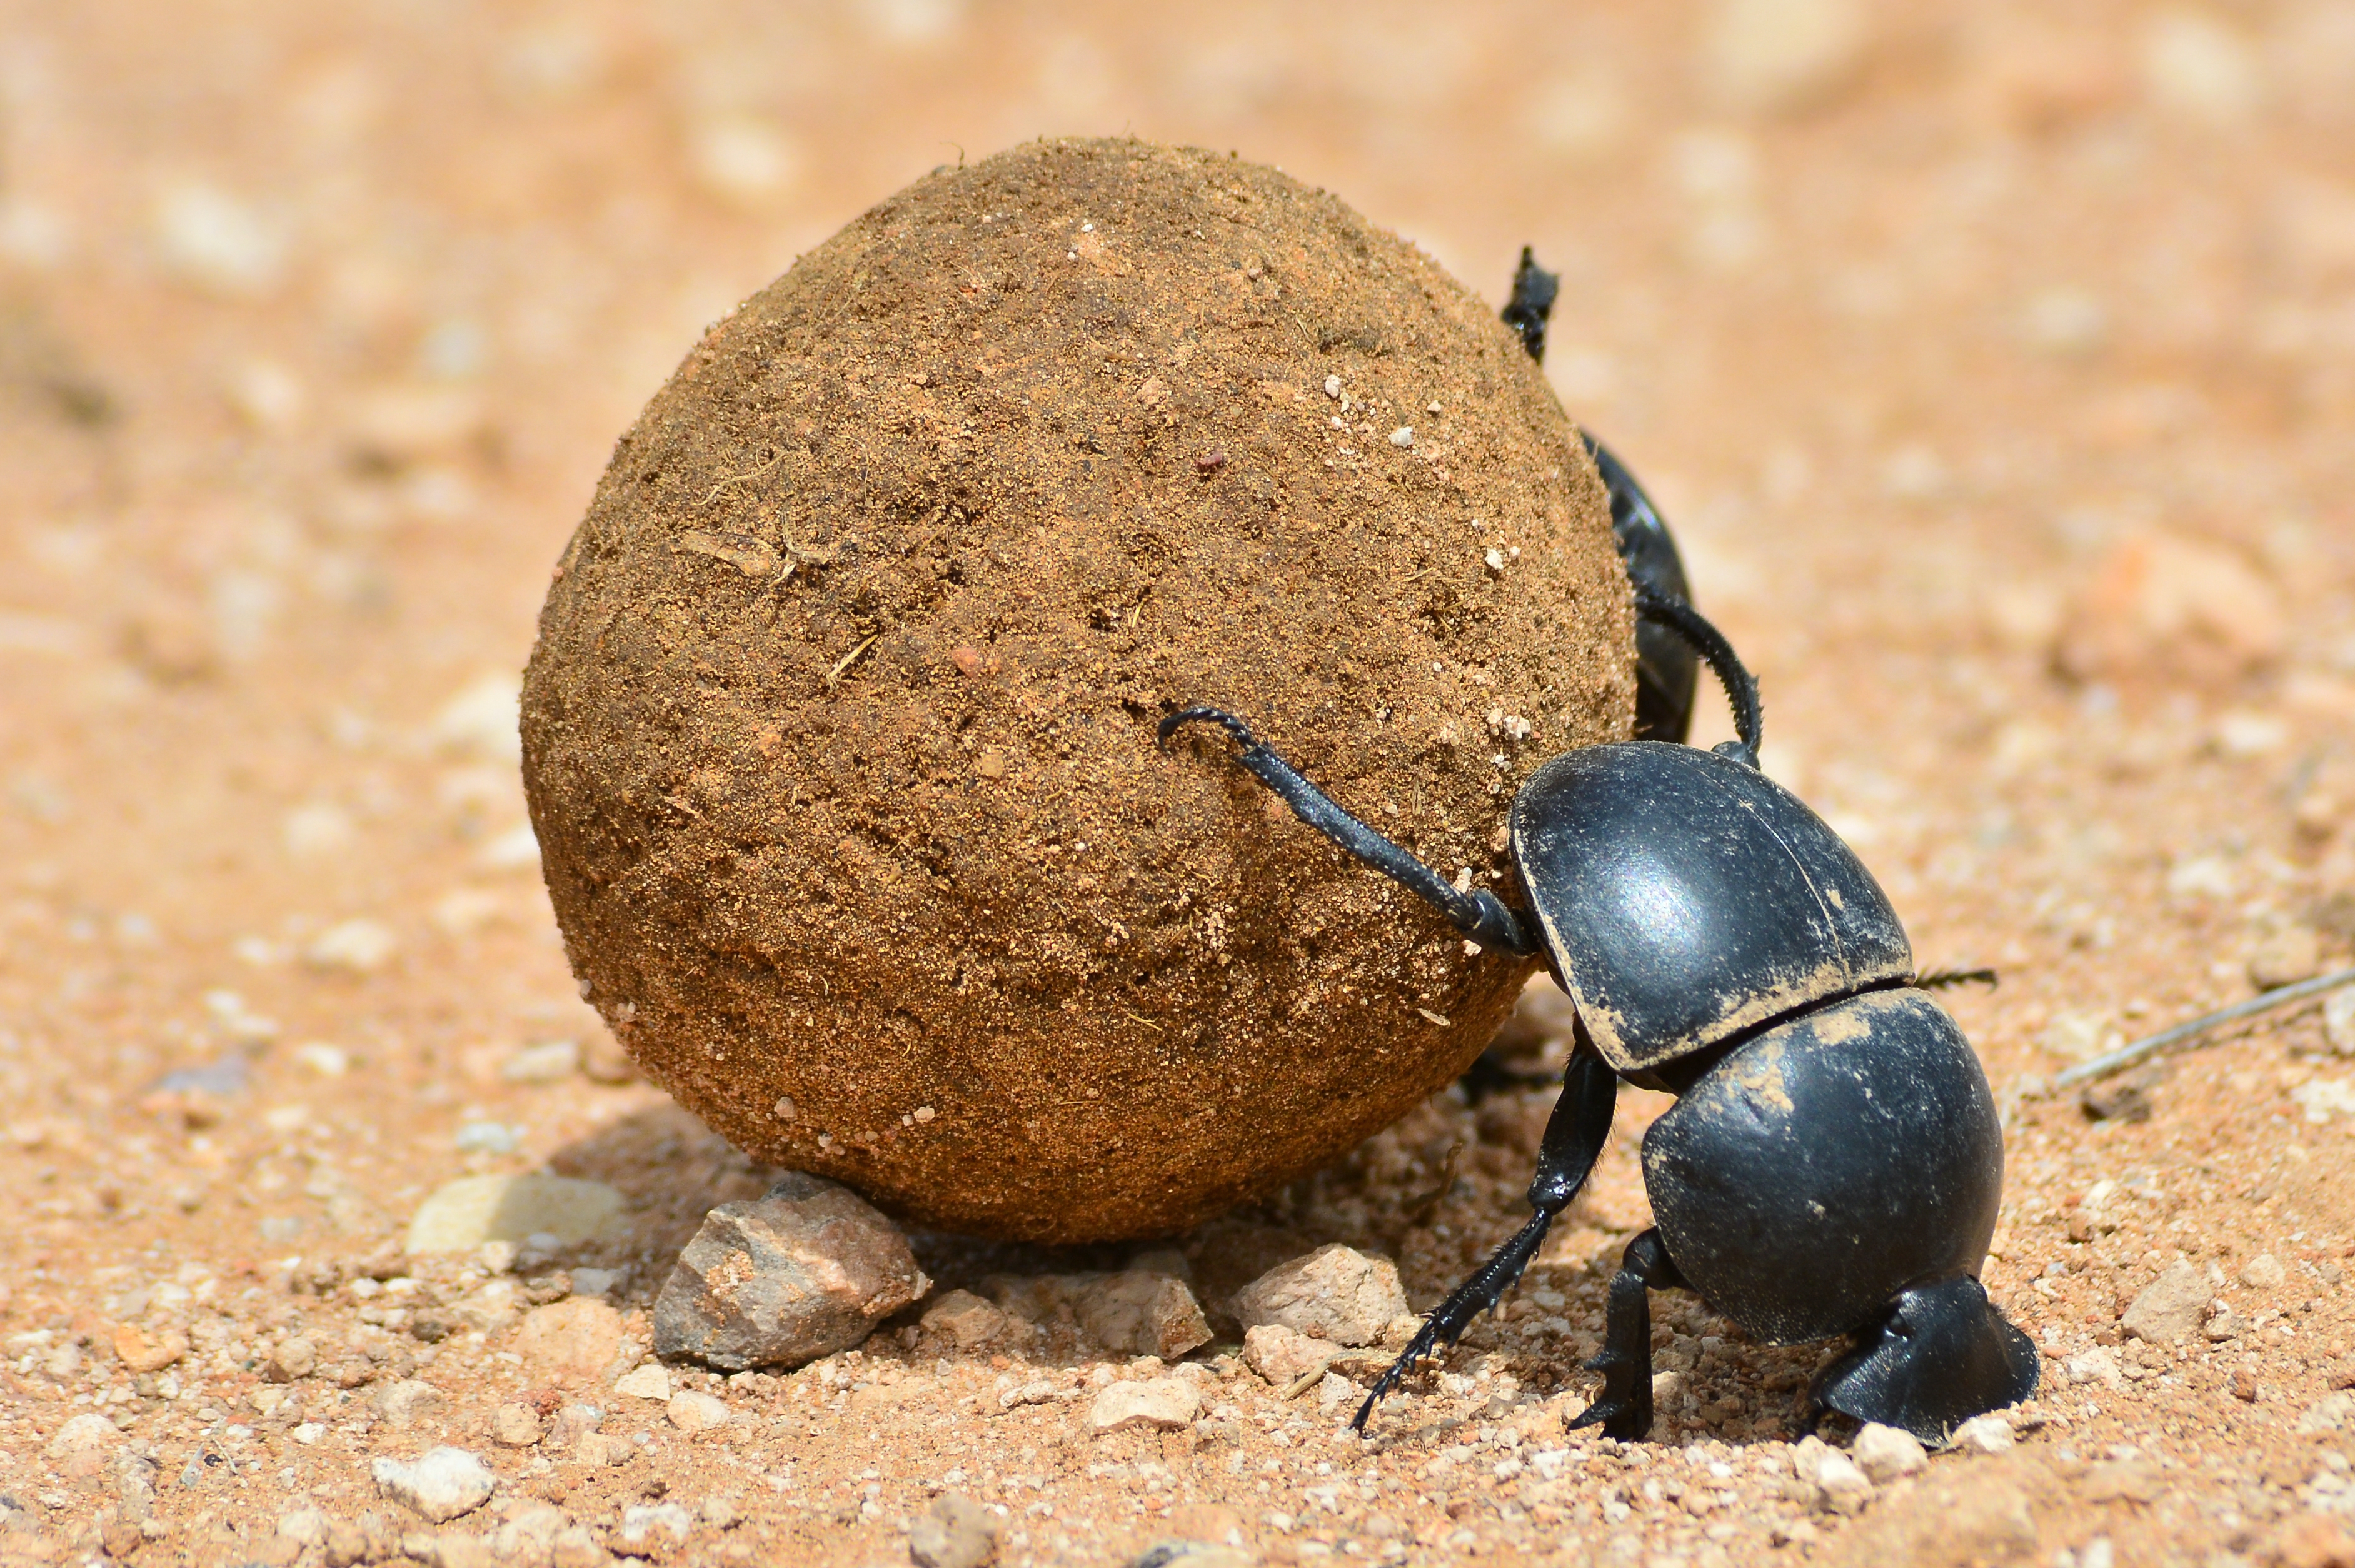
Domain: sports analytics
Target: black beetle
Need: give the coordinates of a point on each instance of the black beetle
(1834, 1161)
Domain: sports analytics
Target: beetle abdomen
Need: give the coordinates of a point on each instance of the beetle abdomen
(1687, 898)
(1827, 1164)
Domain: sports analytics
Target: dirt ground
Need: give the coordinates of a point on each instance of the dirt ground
(1995, 363)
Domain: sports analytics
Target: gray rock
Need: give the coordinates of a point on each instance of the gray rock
(955, 1532)
(1335, 1293)
(444, 1485)
(802, 1273)
(2169, 1308)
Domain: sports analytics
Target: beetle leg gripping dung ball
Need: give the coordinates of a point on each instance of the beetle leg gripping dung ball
(840, 735)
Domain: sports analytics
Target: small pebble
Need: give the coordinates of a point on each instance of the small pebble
(463, 1215)
(1845, 1489)
(446, 1484)
(801, 1272)
(2170, 1309)
(966, 1318)
(550, 1062)
(1336, 1293)
(353, 947)
(955, 1532)
(515, 1426)
(1989, 1434)
(1283, 1356)
(2338, 1021)
(693, 1410)
(410, 1400)
(1166, 1403)
(1886, 1453)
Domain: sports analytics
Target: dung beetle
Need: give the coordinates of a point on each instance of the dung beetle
(1834, 1162)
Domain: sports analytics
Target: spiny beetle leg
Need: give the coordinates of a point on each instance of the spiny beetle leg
(1939, 979)
(1624, 1405)
(1480, 914)
(1574, 1136)
(1471, 1298)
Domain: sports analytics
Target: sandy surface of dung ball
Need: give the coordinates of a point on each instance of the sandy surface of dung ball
(839, 734)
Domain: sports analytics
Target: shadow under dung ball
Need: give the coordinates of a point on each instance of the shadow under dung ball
(839, 734)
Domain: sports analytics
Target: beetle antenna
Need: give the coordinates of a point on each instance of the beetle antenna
(1741, 686)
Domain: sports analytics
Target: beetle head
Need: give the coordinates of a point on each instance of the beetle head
(1942, 1354)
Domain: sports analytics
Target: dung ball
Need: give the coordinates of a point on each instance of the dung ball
(839, 735)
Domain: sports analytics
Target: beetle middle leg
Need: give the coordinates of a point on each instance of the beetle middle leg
(1624, 1405)
(1574, 1137)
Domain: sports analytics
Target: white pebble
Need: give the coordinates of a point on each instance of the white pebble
(326, 1061)
(444, 1483)
(1887, 1454)
(1404, 436)
(549, 1062)
(218, 243)
(1989, 1434)
(353, 947)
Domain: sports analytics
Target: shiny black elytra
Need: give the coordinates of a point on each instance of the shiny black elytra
(1834, 1161)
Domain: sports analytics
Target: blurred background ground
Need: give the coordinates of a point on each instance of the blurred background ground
(1995, 364)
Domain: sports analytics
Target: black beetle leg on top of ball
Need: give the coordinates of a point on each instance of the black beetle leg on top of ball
(1667, 674)
(1833, 1164)
(1480, 915)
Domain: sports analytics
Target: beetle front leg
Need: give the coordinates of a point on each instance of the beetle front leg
(1574, 1137)
(1480, 915)
(1624, 1405)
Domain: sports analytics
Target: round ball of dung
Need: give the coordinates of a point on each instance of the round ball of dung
(840, 735)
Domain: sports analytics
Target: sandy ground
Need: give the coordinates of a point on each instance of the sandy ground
(1996, 364)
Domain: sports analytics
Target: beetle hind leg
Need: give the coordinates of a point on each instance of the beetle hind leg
(1941, 1354)
(1624, 1406)
(1574, 1136)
